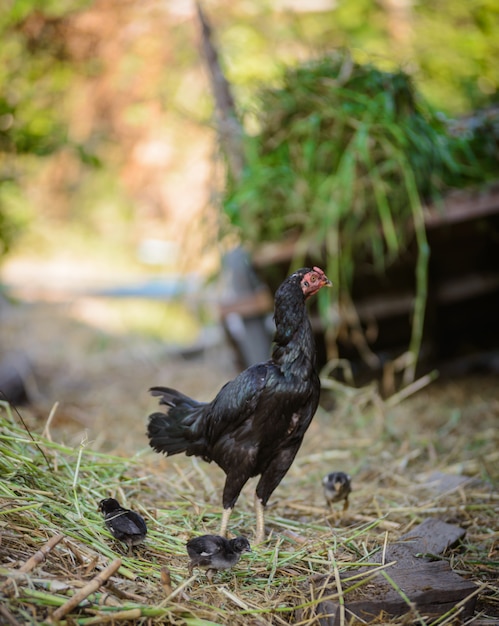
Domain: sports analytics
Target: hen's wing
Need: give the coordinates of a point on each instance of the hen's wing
(239, 396)
(237, 401)
(287, 447)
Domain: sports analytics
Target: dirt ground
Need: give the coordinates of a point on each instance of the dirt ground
(100, 379)
(94, 382)
(98, 382)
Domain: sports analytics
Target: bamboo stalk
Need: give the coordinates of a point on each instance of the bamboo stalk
(341, 598)
(34, 560)
(41, 554)
(124, 595)
(118, 616)
(134, 613)
(92, 586)
(166, 580)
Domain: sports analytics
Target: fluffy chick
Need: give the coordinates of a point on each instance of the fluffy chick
(214, 553)
(337, 486)
(124, 525)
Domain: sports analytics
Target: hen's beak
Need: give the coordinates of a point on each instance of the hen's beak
(325, 282)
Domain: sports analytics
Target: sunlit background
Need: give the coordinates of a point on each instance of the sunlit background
(111, 172)
(109, 159)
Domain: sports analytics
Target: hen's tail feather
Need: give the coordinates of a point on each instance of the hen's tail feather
(172, 397)
(164, 435)
(176, 430)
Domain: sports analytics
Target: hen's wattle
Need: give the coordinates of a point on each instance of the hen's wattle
(256, 423)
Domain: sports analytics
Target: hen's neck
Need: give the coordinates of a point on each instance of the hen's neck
(293, 341)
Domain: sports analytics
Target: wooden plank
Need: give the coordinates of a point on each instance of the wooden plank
(452, 291)
(464, 205)
(258, 302)
(431, 536)
(458, 206)
(431, 587)
(445, 483)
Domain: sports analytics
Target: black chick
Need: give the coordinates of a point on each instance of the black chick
(125, 525)
(214, 553)
(256, 423)
(337, 486)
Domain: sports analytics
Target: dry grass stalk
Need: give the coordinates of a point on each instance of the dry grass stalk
(92, 586)
(272, 585)
(41, 555)
(8, 617)
(33, 561)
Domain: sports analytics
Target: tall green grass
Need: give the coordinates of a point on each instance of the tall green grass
(345, 158)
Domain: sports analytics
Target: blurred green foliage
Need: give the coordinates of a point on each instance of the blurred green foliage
(349, 147)
(34, 76)
(450, 47)
(456, 47)
(345, 157)
(450, 50)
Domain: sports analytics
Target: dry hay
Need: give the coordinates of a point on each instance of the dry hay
(49, 489)
(51, 484)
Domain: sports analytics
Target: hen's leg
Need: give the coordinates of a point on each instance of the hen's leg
(233, 484)
(269, 480)
(225, 521)
(260, 520)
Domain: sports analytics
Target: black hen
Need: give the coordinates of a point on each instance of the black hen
(125, 525)
(215, 553)
(256, 423)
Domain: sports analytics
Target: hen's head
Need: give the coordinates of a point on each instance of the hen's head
(312, 280)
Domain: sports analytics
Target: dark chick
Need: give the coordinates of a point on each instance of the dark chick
(337, 486)
(215, 553)
(125, 525)
(256, 423)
